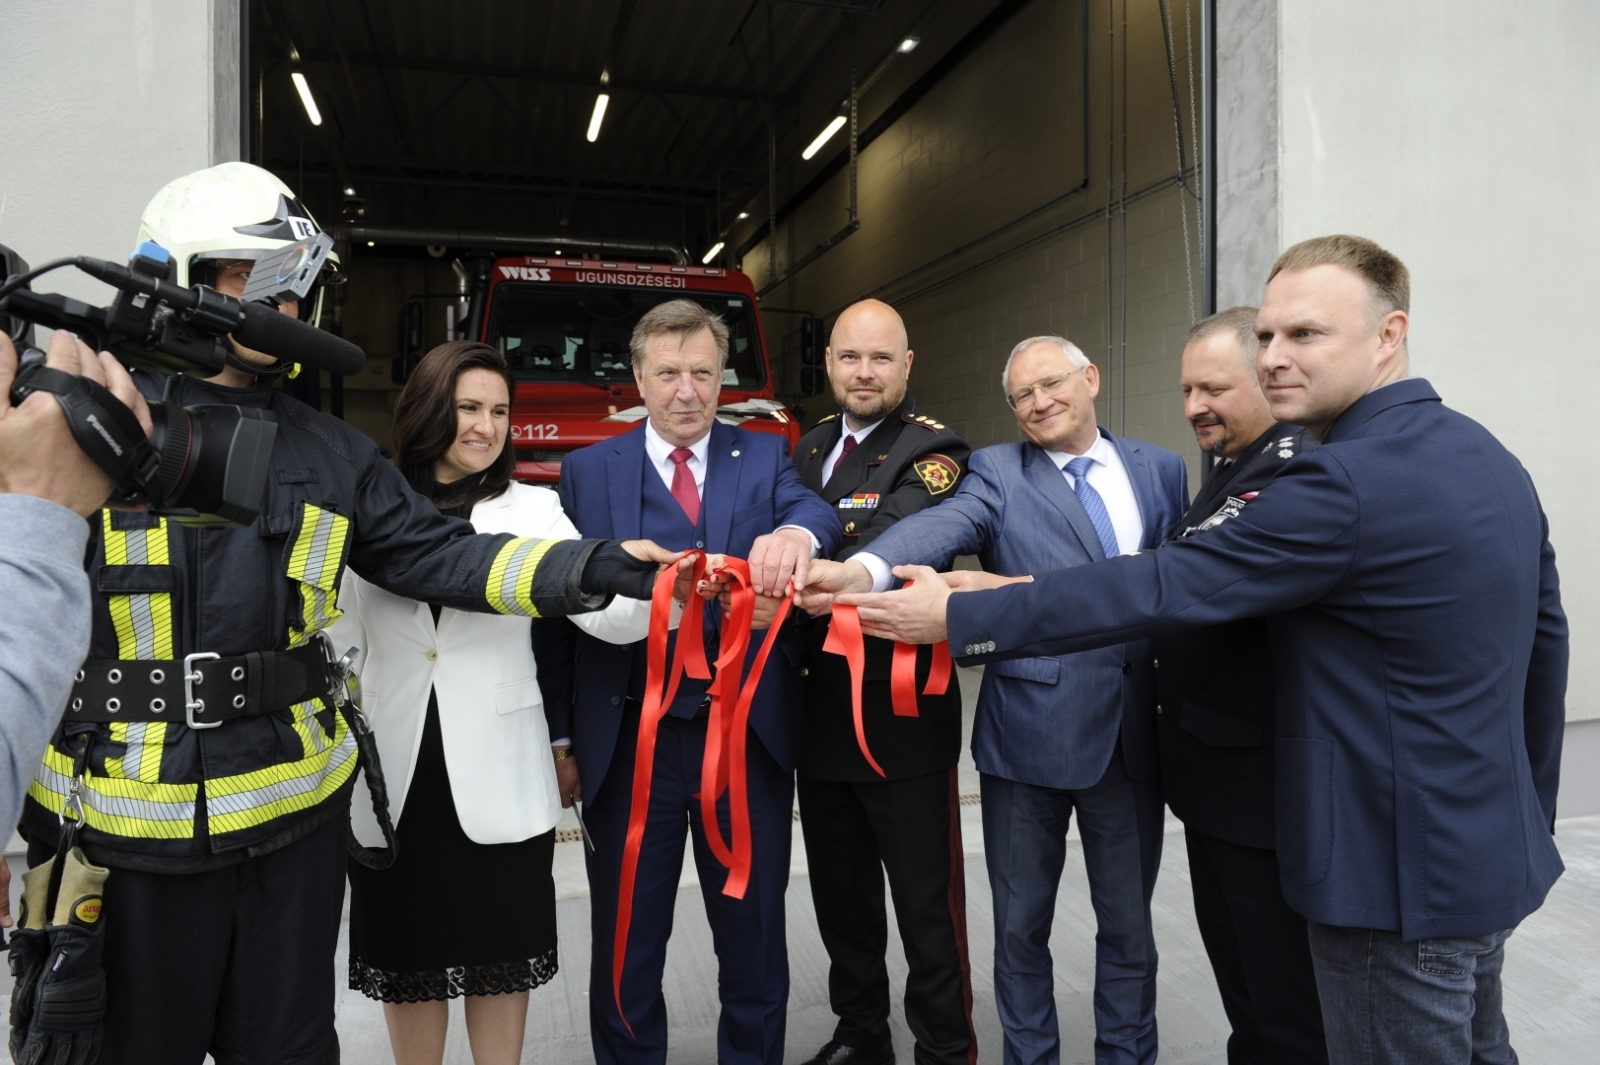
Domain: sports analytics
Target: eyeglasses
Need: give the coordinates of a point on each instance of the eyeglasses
(1052, 386)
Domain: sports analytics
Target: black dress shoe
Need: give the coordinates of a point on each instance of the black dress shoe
(834, 1052)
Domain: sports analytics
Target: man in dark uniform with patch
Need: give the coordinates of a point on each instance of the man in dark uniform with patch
(1215, 690)
(878, 461)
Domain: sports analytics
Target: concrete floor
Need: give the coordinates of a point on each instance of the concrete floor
(1552, 974)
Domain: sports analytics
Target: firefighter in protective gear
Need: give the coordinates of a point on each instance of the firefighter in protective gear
(213, 771)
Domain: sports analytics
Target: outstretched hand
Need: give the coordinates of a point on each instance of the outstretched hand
(911, 615)
(827, 580)
(38, 455)
(778, 558)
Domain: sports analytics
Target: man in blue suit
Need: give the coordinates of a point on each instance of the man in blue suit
(1421, 655)
(693, 482)
(1067, 732)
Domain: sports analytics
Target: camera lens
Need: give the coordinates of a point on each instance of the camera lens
(171, 435)
(214, 461)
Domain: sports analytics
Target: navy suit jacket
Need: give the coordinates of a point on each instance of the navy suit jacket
(1421, 655)
(751, 488)
(1016, 512)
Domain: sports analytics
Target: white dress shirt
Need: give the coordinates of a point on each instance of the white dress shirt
(659, 451)
(838, 449)
(1108, 476)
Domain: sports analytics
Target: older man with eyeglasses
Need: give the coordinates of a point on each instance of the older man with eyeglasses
(1069, 494)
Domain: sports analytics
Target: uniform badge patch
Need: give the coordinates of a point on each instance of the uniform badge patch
(1230, 509)
(939, 473)
(859, 501)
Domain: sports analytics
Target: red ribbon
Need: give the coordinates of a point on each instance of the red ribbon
(844, 638)
(723, 768)
(727, 729)
(903, 676)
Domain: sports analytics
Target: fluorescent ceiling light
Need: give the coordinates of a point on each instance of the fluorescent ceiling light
(743, 215)
(822, 138)
(716, 250)
(908, 45)
(599, 115)
(304, 90)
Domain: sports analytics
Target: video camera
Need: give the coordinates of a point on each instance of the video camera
(205, 464)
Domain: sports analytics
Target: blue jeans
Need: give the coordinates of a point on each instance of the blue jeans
(1429, 1002)
(1024, 832)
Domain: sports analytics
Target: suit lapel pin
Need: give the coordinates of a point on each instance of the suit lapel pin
(735, 452)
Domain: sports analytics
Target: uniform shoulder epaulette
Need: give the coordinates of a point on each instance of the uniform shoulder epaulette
(1285, 446)
(922, 420)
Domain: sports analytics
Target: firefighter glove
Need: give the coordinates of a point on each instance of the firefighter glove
(60, 996)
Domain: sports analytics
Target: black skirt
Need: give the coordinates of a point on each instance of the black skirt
(501, 935)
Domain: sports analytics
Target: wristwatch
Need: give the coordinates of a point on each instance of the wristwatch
(561, 754)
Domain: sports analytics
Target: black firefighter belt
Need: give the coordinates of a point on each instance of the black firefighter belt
(203, 690)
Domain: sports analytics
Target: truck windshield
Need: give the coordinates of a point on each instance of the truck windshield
(565, 332)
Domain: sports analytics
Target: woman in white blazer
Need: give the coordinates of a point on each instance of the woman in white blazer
(475, 784)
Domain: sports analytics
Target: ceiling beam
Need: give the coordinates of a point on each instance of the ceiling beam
(476, 178)
(557, 175)
(521, 73)
(849, 7)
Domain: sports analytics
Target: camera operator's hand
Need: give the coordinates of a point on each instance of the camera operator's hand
(38, 456)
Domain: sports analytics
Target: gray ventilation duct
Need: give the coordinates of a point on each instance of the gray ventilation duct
(498, 240)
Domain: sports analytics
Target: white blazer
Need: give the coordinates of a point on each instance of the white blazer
(491, 713)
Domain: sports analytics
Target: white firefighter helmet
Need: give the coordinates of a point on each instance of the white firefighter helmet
(230, 211)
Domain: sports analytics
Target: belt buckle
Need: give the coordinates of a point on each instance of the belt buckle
(191, 703)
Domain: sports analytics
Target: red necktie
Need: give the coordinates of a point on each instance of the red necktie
(683, 486)
(844, 453)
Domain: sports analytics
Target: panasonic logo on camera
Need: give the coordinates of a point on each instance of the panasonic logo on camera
(109, 439)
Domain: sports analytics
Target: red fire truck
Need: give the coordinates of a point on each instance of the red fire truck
(564, 326)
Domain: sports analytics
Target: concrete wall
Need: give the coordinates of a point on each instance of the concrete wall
(1247, 148)
(1001, 135)
(101, 103)
(1460, 136)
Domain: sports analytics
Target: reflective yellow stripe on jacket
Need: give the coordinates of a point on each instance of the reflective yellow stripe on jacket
(143, 623)
(129, 798)
(251, 799)
(315, 561)
(510, 585)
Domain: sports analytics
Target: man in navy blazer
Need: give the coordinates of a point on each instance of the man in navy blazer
(1421, 655)
(1062, 732)
(694, 483)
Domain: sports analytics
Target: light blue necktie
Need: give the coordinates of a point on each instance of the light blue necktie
(1093, 505)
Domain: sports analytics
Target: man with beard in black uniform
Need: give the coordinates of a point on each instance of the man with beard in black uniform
(1215, 693)
(878, 461)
